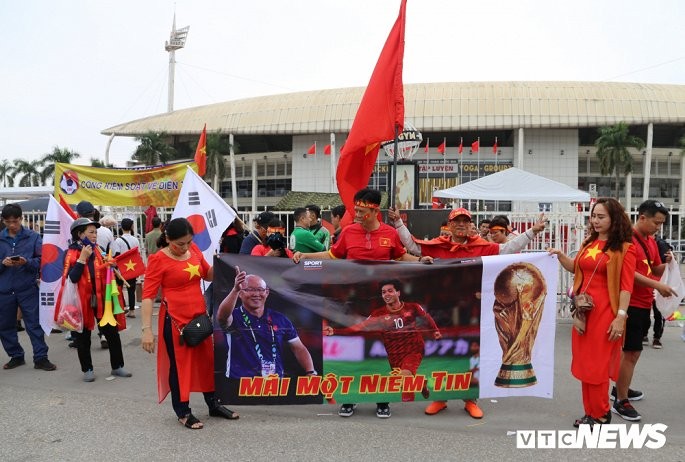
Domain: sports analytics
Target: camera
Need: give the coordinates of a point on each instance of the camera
(277, 241)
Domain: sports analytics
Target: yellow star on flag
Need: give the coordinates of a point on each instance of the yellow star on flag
(193, 270)
(649, 268)
(593, 251)
(130, 265)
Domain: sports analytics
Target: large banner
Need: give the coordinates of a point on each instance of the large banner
(158, 186)
(384, 331)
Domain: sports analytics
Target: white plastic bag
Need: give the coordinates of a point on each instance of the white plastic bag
(69, 312)
(672, 278)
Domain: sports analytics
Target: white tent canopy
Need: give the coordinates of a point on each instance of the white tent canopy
(514, 184)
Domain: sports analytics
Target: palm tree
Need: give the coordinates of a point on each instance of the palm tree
(30, 171)
(153, 150)
(99, 163)
(612, 150)
(6, 170)
(65, 156)
(217, 147)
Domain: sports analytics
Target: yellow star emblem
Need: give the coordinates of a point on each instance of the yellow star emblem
(593, 251)
(130, 265)
(193, 270)
(649, 268)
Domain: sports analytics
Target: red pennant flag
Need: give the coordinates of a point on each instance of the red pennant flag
(494, 147)
(327, 150)
(312, 150)
(201, 152)
(130, 264)
(475, 145)
(67, 207)
(426, 147)
(380, 113)
(461, 145)
(441, 148)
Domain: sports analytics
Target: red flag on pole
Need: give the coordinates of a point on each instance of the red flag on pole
(130, 263)
(312, 150)
(67, 207)
(380, 112)
(494, 147)
(475, 145)
(427, 147)
(461, 145)
(441, 147)
(327, 150)
(201, 153)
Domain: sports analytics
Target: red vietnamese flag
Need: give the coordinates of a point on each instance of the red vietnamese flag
(130, 264)
(201, 153)
(327, 150)
(461, 145)
(380, 113)
(426, 147)
(312, 149)
(494, 147)
(441, 147)
(67, 207)
(475, 146)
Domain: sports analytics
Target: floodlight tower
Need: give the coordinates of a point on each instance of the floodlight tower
(177, 40)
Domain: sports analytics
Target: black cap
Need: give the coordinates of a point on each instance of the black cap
(85, 208)
(264, 218)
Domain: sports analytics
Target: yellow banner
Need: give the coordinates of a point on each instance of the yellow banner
(158, 186)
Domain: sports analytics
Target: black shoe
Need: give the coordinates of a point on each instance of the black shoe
(44, 364)
(346, 410)
(383, 411)
(103, 343)
(222, 411)
(20, 328)
(626, 410)
(14, 362)
(72, 345)
(633, 395)
(55, 331)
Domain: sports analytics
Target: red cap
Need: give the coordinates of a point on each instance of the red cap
(458, 212)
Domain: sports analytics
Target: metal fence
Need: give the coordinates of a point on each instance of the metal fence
(565, 231)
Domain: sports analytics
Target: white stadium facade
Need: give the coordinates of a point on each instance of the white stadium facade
(546, 128)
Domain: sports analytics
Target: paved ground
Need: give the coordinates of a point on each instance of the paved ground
(55, 416)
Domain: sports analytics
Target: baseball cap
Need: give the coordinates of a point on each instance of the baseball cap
(85, 208)
(458, 212)
(264, 218)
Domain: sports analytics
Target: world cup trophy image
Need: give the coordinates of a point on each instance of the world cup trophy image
(520, 292)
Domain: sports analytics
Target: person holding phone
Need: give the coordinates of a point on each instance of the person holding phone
(20, 252)
(85, 266)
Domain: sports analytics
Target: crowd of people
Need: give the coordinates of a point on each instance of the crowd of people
(618, 268)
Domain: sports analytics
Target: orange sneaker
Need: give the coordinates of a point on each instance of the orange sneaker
(472, 408)
(435, 407)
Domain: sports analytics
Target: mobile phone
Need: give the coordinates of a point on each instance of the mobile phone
(15, 258)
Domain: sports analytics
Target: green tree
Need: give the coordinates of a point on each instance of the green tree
(612, 150)
(6, 170)
(217, 148)
(99, 163)
(30, 171)
(47, 162)
(153, 150)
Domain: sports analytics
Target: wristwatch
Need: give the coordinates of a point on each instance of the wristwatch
(622, 313)
(311, 373)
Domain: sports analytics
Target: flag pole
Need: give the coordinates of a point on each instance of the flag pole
(478, 159)
(444, 161)
(495, 154)
(428, 162)
(460, 163)
(394, 167)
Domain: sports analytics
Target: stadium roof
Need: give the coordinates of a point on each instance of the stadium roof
(433, 107)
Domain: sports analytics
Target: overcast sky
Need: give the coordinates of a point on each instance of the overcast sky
(73, 68)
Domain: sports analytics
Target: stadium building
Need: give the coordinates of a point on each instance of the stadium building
(546, 128)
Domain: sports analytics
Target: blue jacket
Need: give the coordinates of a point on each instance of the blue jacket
(28, 244)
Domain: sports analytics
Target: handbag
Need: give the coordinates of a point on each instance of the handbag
(196, 331)
(582, 303)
